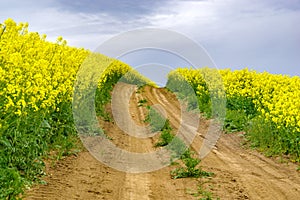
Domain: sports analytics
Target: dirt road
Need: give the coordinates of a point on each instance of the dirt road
(240, 173)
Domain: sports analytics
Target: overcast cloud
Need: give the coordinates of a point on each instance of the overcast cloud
(258, 34)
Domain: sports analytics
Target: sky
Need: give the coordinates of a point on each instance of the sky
(263, 35)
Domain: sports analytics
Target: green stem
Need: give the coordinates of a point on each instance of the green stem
(3, 29)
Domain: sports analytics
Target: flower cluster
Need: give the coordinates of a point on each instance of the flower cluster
(35, 74)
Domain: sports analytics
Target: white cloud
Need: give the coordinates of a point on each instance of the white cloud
(237, 33)
(243, 33)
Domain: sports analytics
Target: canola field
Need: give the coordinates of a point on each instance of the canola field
(36, 90)
(265, 105)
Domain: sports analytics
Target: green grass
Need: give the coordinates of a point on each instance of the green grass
(235, 120)
(273, 141)
(155, 119)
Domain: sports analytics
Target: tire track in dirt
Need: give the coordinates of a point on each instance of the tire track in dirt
(186, 123)
(258, 176)
(137, 186)
(81, 177)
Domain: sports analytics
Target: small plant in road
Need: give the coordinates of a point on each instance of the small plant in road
(142, 102)
(190, 168)
(166, 136)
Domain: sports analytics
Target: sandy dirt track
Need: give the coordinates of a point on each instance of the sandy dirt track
(240, 173)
